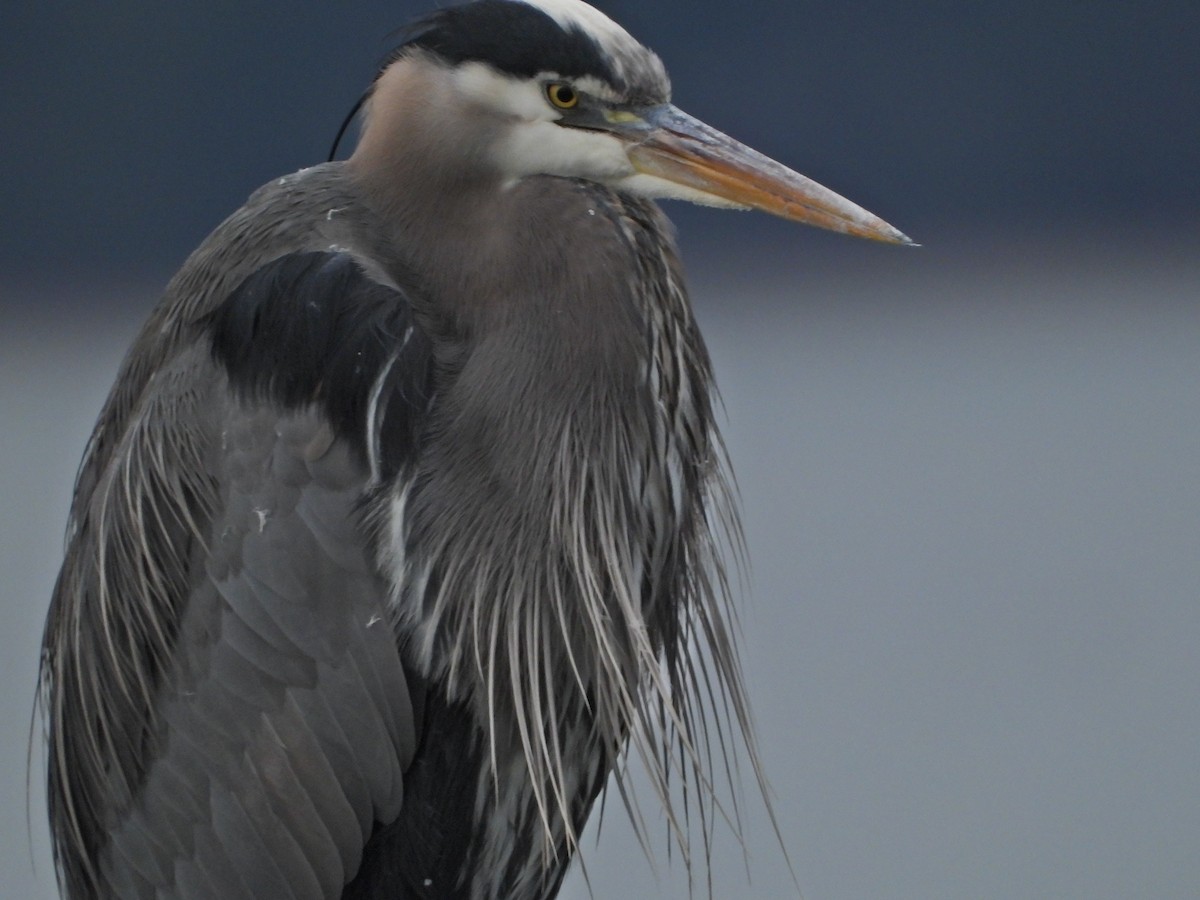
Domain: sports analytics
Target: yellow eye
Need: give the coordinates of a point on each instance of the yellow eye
(562, 95)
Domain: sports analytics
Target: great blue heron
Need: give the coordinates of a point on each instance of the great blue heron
(400, 525)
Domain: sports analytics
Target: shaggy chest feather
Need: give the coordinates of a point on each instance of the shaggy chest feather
(546, 597)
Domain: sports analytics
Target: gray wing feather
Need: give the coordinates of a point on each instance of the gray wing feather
(216, 628)
(286, 723)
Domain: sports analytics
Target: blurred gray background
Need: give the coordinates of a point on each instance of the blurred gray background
(969, 472)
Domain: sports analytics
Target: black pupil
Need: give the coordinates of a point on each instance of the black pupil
(563, 94)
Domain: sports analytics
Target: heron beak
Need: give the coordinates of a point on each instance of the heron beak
(667, 143)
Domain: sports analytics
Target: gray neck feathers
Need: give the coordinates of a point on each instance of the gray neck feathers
(553, 556)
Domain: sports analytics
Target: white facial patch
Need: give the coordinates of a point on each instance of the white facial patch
(477, 82)
(628, 58)
(544, 148)
(530, 142)
(575, 14)
(589, 84)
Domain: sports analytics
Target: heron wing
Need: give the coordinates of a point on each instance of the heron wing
(280, 722)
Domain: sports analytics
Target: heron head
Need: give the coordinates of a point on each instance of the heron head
(512, 89)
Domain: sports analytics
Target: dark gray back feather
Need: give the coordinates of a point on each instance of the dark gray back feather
(141, 525)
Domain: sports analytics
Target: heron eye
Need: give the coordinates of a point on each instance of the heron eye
(562, 95)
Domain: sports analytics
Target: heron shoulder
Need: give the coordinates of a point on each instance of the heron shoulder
(315, 328)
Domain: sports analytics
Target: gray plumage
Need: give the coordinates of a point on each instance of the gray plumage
(401, 524)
